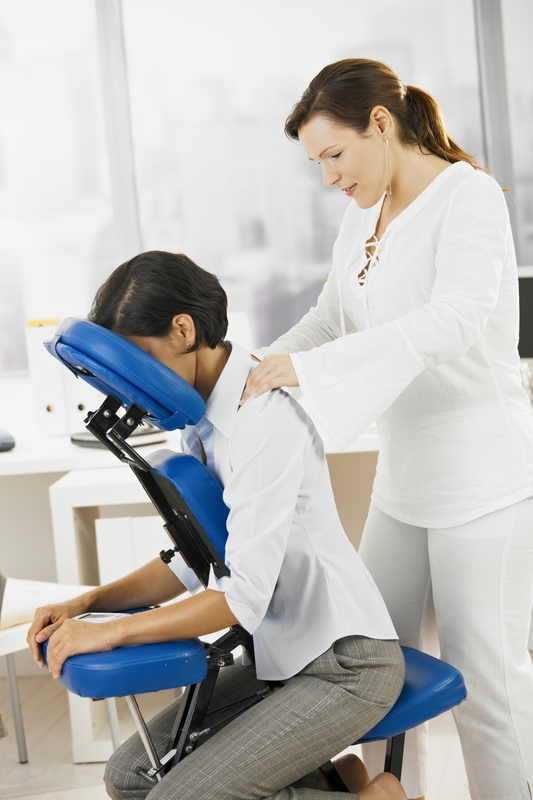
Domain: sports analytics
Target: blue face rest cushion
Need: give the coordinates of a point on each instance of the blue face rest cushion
(113, 365)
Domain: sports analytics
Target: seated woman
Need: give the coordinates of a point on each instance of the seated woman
(320, 626)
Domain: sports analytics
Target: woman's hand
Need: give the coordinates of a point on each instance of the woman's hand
(74, 637)
(273, 372)
(47, 620)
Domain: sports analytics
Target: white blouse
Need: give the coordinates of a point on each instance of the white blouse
(297, 583)
(427, 346)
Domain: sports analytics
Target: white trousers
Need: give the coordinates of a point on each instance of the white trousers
(470, 589)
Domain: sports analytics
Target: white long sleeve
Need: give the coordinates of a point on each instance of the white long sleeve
(434, 353)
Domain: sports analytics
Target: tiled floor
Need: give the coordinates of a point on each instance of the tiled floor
(50, 774)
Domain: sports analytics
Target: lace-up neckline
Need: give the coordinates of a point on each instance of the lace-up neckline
(372, 248)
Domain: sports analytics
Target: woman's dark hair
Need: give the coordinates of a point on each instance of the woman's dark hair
(143, 295)
(347, 91)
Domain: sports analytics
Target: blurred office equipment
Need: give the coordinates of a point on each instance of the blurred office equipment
(7, 442)
(525, 344)
(525, 283)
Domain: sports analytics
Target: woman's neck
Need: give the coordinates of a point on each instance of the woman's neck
(209, 366)
(412, 172)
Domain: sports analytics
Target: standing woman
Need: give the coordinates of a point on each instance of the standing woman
(417, 328)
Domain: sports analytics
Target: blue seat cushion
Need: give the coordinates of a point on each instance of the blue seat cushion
(134, 670)
(113, 365)
(431, 687)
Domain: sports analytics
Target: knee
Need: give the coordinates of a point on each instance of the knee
(395, 676)
(118, 779)
(114, 787)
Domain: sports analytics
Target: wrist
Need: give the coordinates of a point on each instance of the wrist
(91, 601)
(120, 631)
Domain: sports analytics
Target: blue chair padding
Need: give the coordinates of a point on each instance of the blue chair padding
(113, 365)
(200, 489)
(134, 670)
(431, 687)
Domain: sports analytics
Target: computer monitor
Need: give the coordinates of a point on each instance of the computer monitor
(525, 282)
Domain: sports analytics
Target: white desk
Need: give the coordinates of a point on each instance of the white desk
(58, 454)
(26, 473)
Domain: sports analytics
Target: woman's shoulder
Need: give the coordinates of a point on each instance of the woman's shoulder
(476, 192)
(467, 179)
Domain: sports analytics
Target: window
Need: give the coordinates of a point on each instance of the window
(57, 239)
(517, 19)
(211, 85)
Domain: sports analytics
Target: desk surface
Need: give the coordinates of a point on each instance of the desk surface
(58, 454)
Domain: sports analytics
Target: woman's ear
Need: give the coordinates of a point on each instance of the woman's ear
(382, 119)
(183, 331)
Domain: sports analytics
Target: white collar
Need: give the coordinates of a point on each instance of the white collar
(223, 402)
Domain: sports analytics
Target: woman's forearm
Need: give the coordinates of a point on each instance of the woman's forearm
(203, 613)
(150, 585)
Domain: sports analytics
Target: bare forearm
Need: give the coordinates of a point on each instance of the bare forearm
(206, 612)
(150, 585)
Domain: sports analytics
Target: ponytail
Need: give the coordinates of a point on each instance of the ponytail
(422, 124)
(348, 90)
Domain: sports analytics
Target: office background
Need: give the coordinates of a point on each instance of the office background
(159, 125)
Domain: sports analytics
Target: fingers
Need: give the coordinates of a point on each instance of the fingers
(61, 645)
(42, 618)
(74, 637)
(45, 633)
(46, 620)
(272, 373)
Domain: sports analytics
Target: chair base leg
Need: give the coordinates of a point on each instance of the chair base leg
(154, 774)
(394, 755)
(17, 711)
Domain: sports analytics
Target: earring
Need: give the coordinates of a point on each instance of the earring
(388, 165)
(188, 344)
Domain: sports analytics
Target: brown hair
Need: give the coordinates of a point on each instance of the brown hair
(348, 90)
